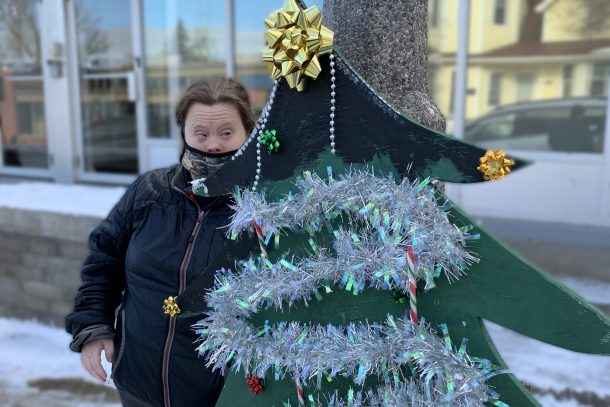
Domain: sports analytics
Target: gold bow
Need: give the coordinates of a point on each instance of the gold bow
(170, 307)
(495, 165)
(295, 38)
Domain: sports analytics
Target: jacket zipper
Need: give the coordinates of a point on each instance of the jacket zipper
(172, 320)
(122, 347)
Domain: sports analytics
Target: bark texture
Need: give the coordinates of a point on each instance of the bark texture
(386, 41)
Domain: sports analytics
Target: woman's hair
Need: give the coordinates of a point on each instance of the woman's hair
(212, 91)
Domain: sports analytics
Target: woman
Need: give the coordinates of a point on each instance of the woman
(155, 241)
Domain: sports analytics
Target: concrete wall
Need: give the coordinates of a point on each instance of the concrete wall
(40, 258)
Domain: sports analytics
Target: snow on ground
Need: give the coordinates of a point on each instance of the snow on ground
(32, 351)
(66, 199)
(549, 367)
(550, 401)
(29, 351)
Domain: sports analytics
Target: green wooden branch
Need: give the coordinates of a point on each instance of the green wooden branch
(502, 287)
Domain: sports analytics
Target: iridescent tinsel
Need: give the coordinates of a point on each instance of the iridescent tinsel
(356, 351)
(392, 214)
(410, 394)
(380, 219)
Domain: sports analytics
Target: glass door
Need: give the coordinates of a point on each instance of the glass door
(182, 42)
(23, 135)
(106, 90)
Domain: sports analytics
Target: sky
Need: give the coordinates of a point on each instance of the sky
(249, 15)
(161, 16)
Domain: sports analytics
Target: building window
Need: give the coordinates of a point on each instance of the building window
(525, 86)
(250, 69)
(599, 80)
(568, 73)
(184, 41)
(500, 12)
(495, 89)
(435, 13)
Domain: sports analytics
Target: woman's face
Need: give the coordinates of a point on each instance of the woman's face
(214, 128)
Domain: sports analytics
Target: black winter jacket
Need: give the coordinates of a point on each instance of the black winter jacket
(155, 241)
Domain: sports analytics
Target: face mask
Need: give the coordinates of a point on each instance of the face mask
(203, 165)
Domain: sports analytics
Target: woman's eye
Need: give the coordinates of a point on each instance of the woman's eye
(201, 135)
(227, 134)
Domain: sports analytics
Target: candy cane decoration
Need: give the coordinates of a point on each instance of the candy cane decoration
(261, 243)
(261, 240)
(300, 393)
(412, 285)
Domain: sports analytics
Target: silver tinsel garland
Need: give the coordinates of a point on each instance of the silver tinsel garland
(410, 393)
(382, 219)
(356, 351)
(406, 211)
(359, 261)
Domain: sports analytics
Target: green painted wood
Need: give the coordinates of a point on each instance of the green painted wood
(366, 126)
(508, 290)
(502, 287)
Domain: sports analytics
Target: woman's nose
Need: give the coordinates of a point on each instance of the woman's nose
(213, 146)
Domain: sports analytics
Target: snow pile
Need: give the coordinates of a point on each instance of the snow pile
(67, 199)
(548, 367)
(31, 350)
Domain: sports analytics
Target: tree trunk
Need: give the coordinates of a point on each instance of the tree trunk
(386, 41)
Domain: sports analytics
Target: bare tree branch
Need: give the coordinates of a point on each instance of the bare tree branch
(88, 23)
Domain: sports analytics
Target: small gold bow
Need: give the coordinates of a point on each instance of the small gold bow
(495, 165)
(295, 38)
(170, 307)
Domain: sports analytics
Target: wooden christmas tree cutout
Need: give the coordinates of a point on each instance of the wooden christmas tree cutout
(501, 287)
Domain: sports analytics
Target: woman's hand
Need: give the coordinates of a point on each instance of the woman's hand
(91, 357)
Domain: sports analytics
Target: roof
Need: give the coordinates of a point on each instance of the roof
(539, 49)
(530, 42)
(530, 38)
(531, 26)
(543, 5)
(535, 48)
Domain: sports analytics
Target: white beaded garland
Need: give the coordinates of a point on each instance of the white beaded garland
(332, 103)
(257, 133)
(262, 123)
